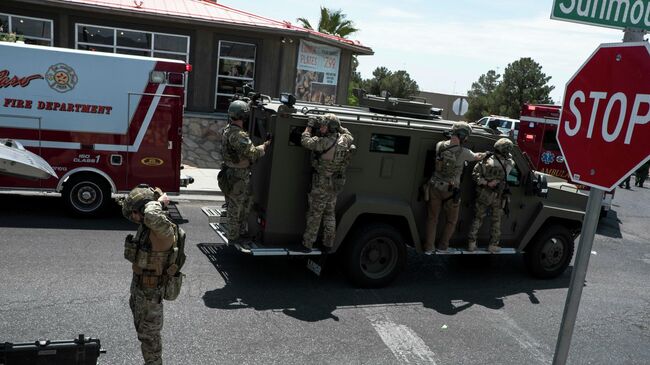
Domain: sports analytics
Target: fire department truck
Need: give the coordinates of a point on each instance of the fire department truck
(537, 131)
(104, 122)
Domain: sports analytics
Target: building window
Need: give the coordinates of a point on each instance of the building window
(133, 42)
(33, 30)
(235, 68)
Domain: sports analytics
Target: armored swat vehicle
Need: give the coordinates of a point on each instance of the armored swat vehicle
(381, 214)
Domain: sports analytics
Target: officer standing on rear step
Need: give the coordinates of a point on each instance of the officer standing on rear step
(444, 185)
(239, 153)
(490, 176)
(332, 149)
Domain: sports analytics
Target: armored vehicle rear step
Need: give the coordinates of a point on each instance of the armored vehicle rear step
(216, 217)
(255, 249)
(478, 251)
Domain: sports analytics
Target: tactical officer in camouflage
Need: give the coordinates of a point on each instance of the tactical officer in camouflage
(444, 185)
(332, 149)
(234, 179)
(151, 251)
(490, 177)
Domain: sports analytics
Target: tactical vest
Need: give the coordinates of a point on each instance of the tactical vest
(229, 153)
(447, 167)
(156, 269)
(492, 169)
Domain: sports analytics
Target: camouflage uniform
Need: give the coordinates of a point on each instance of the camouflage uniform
(330, 157)
(493, 168)
(146, 301)
(239, 154)
(446, 177)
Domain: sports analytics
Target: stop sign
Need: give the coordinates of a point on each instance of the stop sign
(604, 133)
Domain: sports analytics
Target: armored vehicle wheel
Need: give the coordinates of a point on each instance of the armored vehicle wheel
(550, 252)
(86, 195)
(374, 255)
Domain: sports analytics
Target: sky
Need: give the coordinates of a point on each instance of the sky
(445, 45)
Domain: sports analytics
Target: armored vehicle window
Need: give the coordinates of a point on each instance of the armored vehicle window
(550, 142)
(387, 143)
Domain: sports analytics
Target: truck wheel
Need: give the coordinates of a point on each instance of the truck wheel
(375, 254)
(550, 252)
(86, 195)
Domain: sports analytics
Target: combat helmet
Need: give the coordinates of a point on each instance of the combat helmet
(503, 146)
(332, 122)
(238, 110)
(461, 129)
(137, 198)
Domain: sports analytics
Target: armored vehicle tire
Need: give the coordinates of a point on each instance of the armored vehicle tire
(550, 252)
(86, 195)
(374, 255)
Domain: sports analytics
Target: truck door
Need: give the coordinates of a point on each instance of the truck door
(154, 141)
(26, 130)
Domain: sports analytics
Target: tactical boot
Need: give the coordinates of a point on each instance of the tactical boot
(471, 246)
(494, 247)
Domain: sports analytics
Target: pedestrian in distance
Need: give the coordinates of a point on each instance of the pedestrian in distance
(239, 153)
(442, 191)
(492, 192)
(641, 174)
(156, 254)
(331, 148)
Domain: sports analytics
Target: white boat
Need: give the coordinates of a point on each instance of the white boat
(15, 160)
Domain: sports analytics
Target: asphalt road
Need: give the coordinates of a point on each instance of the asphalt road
(63, 276)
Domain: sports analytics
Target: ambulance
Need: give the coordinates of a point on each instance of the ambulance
(104, 122)
(537, 139)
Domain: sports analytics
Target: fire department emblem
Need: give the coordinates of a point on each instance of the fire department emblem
(548, 157)
(61, 77)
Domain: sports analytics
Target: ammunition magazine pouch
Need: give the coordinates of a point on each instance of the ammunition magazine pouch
(173, 286)
(130, 249)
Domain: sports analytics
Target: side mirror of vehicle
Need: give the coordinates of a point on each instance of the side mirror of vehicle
(537, 184)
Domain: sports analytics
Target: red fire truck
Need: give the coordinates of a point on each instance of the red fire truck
(104, 122)
(537, 138)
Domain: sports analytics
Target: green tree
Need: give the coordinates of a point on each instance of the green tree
(398, 84)
(482, 98)
(523, 82)
(332, 22)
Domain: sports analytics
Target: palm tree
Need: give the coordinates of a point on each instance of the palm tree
(332, 22)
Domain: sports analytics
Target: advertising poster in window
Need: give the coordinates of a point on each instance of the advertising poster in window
(318, 73)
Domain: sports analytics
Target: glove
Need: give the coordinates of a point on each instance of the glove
(312, 122)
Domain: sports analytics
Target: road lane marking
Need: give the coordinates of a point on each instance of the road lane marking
(402, 341)
(524, 338)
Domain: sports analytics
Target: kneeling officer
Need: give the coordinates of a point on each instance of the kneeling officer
(156, 260)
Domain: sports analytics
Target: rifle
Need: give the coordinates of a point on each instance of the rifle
(80, 351)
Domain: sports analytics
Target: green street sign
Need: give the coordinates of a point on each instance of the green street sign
(607, 13)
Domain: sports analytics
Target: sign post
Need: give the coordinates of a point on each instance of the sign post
(603, 132)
